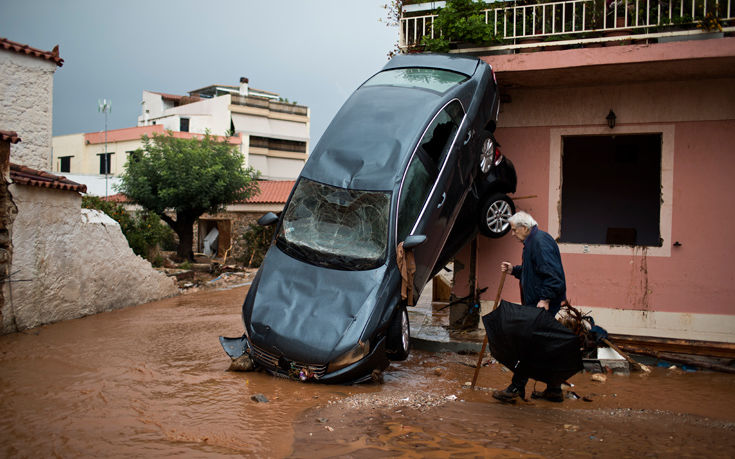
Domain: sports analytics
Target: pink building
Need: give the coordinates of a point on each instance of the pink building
(625, 154)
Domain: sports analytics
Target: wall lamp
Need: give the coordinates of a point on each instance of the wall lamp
(611, 119)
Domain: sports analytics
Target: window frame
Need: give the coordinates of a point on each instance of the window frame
(440, 169)
(109, 162)
(667, 178)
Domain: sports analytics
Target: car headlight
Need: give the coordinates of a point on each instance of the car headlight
(348, 358)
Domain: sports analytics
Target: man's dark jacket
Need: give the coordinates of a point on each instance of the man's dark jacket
(541, 274)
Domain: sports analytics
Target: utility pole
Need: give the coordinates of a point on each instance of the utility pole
(105, 106)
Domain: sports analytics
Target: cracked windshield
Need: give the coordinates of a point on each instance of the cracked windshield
(335, 227)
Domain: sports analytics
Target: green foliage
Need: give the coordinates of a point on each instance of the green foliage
(460, 21)
(189, 177)
(144, 231)
(255, 242)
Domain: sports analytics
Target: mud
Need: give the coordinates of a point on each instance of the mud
(150, 381)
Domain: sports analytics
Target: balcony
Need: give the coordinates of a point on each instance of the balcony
(271, 105)
(517, 27)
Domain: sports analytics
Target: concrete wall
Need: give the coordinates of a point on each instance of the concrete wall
(77, 262)
(673, 291)
(26, 94)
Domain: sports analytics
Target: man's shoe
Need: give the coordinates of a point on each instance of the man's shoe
(549, 395)
(510, 394)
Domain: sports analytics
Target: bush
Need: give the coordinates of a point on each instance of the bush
(255, 242)
(460, 21)
(145, 232)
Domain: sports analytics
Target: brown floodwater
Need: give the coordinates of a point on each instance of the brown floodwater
(150, 381)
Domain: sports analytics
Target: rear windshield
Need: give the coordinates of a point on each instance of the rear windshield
(434, 79)
(336, 227)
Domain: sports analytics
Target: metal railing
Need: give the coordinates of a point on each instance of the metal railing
(260, 102)
(576, 19)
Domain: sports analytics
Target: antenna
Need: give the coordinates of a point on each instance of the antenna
(105, 106)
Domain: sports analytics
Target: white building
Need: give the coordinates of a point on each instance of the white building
(274, 132)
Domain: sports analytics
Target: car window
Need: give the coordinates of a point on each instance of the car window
(336, 227)
(438, 138)
(416, 187)
(434, 79)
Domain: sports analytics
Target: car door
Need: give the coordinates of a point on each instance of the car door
(432, 190)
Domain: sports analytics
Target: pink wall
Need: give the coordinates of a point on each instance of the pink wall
(698, 276)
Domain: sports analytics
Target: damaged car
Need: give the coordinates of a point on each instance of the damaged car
(409, 151)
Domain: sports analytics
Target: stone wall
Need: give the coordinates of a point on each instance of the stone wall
(26, 95)
(75, 262)
(7, 215)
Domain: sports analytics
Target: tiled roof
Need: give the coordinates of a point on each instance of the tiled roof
(9, 136)
(176, 97)
(20, 48)
(135, 133)
(272, 192)
(26, 176)
(118, 198)
(121, 135)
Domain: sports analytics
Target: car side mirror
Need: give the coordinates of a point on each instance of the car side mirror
(268, 219)
(413, 241)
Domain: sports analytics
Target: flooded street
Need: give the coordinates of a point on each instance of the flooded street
(151, 381)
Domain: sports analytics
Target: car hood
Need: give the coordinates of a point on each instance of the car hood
(308, 313)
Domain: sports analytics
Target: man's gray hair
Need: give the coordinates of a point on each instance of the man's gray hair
(521, 218)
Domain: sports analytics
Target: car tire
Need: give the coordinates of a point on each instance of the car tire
(494, 214)
(399, 336)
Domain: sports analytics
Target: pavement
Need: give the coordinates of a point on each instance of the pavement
(430, 331)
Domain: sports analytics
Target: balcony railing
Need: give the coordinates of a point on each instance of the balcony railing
(260, 102)
(576, 20)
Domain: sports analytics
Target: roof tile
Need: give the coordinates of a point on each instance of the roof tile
(20, 48)
(23, 175)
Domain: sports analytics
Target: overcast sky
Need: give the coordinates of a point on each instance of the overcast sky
(315, 52)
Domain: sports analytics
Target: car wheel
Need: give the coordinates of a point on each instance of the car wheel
(399, 336)
(487, 156)
(494, 215)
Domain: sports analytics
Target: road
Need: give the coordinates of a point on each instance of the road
(151, 381)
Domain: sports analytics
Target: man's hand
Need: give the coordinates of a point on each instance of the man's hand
(544, 304)
(506, 267)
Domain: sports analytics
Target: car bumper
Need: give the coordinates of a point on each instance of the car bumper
(357, 372)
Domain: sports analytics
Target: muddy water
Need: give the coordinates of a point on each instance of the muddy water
(150, 381)
(145, 381)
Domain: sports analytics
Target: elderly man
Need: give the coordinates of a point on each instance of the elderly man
(542, 285)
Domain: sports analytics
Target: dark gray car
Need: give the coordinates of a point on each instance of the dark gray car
(395, 165)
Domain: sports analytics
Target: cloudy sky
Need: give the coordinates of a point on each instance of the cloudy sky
(315, 52)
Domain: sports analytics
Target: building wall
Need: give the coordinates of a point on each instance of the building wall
(64, 253)
(677, 291)
(26, 94)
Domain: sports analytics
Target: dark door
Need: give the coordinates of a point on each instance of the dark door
(432, 190)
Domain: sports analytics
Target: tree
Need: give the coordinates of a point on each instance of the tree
(186, 176)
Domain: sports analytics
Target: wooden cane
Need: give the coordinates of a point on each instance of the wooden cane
(484, 342)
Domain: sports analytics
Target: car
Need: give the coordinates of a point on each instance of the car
(397, 164)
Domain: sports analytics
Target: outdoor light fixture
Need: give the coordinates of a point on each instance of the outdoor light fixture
(611, 119)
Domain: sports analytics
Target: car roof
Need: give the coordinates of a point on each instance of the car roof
(369, 141)
(367, 144)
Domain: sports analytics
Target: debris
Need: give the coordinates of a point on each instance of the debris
(451, 397)
(242, 363)
(260, 398)
(467, 384)
(331, 429)
(322, 420)
(571, 427)
(571, 395)
(599, 377)
(438, 371)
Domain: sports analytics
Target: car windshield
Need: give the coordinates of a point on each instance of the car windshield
(336, 227)
(434, 79)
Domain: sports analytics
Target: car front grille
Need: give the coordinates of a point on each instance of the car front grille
(287, 367)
